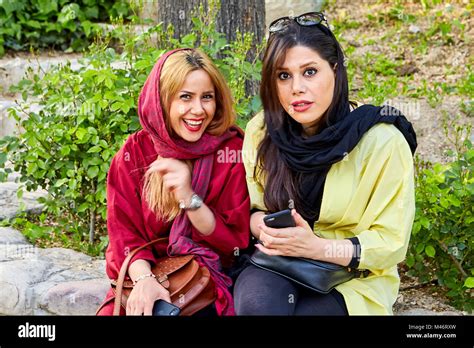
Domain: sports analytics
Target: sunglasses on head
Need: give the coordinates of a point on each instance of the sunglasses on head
(306, 20)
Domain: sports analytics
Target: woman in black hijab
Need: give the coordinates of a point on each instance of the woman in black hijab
(348, 170)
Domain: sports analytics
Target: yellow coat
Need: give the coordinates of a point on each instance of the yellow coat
(369, 194)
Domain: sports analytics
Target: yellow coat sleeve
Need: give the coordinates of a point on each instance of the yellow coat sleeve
(254, 133)
(391, 207)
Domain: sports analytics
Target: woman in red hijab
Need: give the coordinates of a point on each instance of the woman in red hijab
(172, 178)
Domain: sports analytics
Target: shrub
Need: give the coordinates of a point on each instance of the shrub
(441, 245)
(60, 24)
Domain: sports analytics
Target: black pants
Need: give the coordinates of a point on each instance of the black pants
(260, 292)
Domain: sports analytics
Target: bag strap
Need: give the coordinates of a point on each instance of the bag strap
(123, 273)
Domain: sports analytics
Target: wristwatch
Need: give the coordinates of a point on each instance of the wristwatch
(195, 203)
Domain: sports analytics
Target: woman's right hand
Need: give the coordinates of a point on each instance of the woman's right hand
(143, 296)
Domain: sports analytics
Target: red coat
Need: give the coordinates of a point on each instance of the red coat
(131, 223)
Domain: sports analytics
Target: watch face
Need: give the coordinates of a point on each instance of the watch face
(196, 202)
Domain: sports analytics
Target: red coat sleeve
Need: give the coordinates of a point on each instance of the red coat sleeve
(125, 222)
(229, 200)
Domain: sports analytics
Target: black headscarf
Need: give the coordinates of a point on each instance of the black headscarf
(310, 159)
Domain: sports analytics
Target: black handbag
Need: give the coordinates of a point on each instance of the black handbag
(316, 275)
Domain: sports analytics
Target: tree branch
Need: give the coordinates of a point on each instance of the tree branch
(455, 261)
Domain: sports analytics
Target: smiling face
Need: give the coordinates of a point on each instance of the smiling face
(193, 107)
(305, 85)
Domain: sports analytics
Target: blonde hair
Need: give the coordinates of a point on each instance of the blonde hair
(173, 75)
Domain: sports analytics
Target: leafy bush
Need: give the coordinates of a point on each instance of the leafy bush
(86, 115)
(442, 240)
(60, 24)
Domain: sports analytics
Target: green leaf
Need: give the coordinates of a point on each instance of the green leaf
(410, 261)
(68, 13)
(47, 6)
(65, 150)
(425, 222)
(83, 207)
(94, 149)
(101, 176)
(92, 171)
(469, 283)
(32, 168)
(430, 251)
(80, 133)
(94, 161)
(34, 24)
(92, 12)
(60, 182)
(419, 248)
(115, 106)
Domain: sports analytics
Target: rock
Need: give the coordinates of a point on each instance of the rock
(8, 125)
(407, 69)
(17, 251)
(414, 29)
(18, 278)
(353, 43)
(10, 204)
(9, 235)
(64, 256)
(435, 57)
(35, 281)
(75, 298)
(10, 297)
(13, 176)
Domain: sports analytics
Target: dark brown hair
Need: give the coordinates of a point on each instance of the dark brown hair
(281, 182)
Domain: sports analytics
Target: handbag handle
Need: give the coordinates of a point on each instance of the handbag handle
(123, 272)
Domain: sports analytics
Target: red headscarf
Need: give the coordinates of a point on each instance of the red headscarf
(180, 243)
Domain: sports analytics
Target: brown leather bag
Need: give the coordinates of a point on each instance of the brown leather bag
(190, 286)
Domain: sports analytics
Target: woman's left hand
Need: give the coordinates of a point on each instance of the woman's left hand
(176, 177)
(299, 241)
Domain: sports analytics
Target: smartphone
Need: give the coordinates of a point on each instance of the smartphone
(280, 219)
(164, 308)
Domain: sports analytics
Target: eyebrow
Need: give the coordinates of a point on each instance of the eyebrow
(301, 66)
(192, 93)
